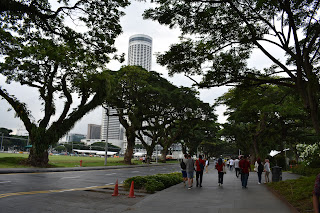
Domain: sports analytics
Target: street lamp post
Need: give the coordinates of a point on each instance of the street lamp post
(157, 153)
(1, 142)
(106, 147)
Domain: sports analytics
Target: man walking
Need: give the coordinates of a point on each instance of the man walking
(190, 170)
(245, 167)
(199, 170)
(183, 169)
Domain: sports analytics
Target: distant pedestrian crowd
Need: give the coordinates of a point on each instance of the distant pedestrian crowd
(242, 167)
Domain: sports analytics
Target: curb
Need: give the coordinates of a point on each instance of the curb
(71, 169)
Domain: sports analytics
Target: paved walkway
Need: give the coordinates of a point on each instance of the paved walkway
(213, 198)
(228, 198)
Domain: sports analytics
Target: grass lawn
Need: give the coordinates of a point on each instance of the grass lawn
(11, 160)
(297, 192)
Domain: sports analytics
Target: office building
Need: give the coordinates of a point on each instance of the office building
(94, 131)
(140, 51)
(110, 124)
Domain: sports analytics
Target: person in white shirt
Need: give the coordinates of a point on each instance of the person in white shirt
(231, 164)
(207, 164)
(236, 166)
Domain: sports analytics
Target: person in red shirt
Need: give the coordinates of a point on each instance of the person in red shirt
(244, 165)
(199, 170)
(316, 194)
(220, 166)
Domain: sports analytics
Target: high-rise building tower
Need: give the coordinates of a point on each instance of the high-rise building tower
(94, 131)
(140, 51)
(111, 127)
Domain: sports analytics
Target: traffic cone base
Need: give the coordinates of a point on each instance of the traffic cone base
(131, 194)
(116, 191)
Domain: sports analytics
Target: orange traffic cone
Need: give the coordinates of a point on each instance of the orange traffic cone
(116, 192)
(131, 194)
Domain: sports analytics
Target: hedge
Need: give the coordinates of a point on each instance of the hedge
(152, 183)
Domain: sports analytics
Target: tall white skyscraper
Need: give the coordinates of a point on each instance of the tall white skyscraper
(140, 51)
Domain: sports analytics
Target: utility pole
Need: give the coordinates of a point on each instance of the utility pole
(106, 147)
(1, 141)
(157, 153)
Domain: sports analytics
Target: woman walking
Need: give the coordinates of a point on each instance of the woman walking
(267, 170)
(220, 166)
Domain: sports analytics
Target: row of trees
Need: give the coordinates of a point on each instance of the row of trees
(218, 38)
(265, 118)
(60, 62)
(149, 105)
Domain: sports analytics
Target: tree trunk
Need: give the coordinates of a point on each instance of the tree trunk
(128, 154)
(131, 142)
(40, 141)
(149, 153)
(308, 92)
(39, 158)
(164, 153)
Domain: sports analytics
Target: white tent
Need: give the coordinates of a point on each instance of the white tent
(95, 152)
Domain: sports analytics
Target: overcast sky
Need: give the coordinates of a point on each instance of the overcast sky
(132, 23)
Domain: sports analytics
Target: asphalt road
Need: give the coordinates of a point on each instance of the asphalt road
(79, 191)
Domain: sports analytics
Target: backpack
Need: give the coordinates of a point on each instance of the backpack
(183, 165)
(201, 166)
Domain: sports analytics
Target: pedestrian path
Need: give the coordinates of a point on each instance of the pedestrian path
(229, 198)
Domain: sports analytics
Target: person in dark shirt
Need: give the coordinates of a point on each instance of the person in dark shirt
(316, 194)
(245, 168)
(259, 170)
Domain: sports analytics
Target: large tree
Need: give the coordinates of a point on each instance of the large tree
(59, 50)
(264, 118)
(134, 96)
(224, 33)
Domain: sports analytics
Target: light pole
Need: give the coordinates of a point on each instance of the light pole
(106, 147)
(157, 153)
(1, 142)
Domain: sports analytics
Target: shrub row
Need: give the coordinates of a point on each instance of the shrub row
(305, 170)
(152, 183)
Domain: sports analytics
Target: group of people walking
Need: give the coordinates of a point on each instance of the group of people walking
(188, 166)
(242, 168)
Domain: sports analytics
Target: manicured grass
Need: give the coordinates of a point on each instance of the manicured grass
(11, 160)
(297, 192)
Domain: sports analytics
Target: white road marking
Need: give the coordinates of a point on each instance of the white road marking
(70, 177)
(5, 181)
(111, 174)
(135, 171)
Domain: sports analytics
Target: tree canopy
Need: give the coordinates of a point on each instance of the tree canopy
(60, 49)
(265, 118)
(218, 38)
